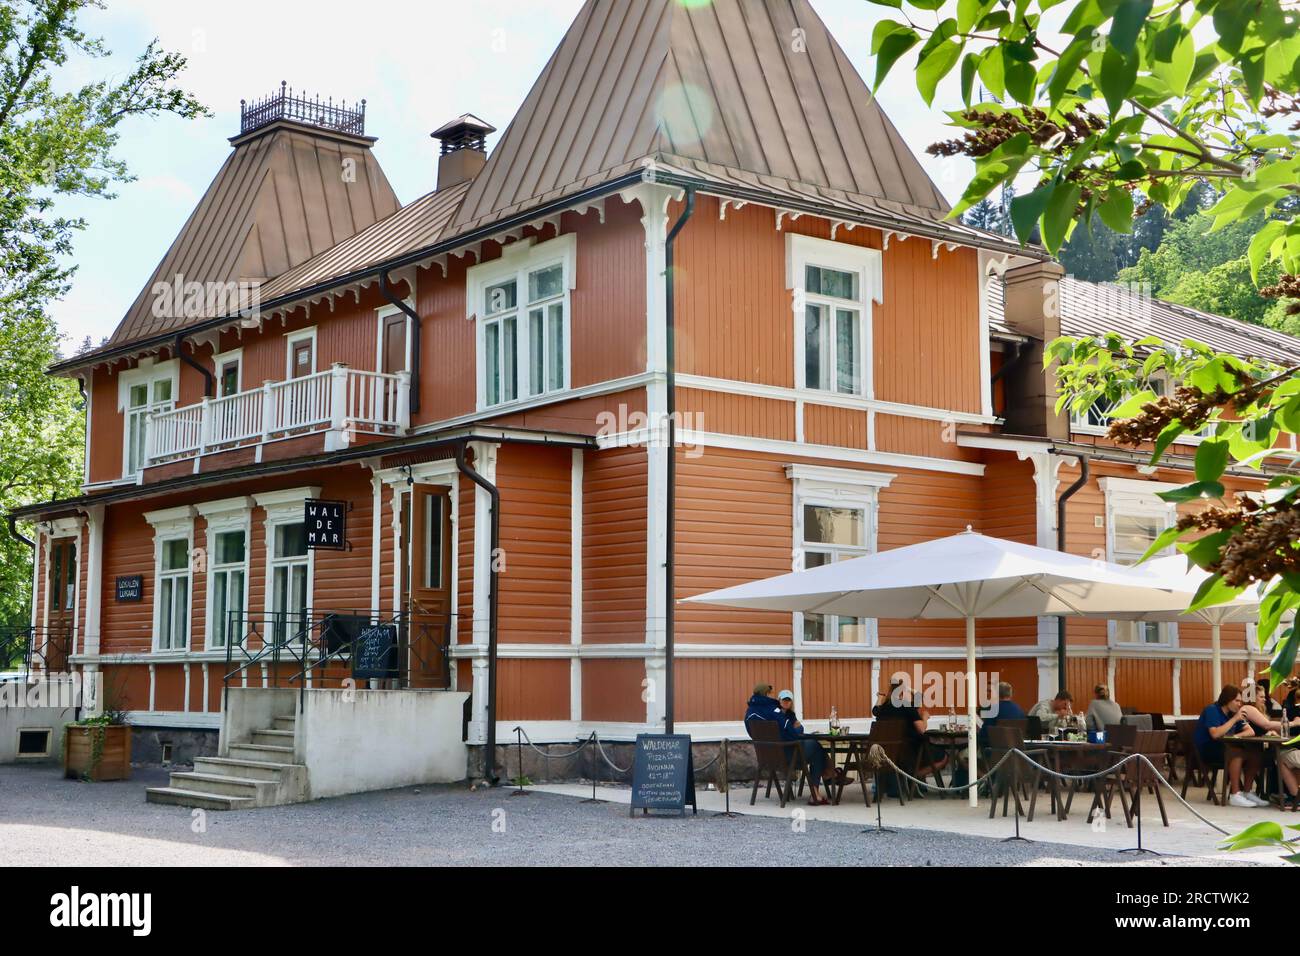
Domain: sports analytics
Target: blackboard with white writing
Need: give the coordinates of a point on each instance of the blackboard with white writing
(326, 524)
(374, 654)
(663, 773)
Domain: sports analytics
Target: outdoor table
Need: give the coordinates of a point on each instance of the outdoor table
(1272, 746)
(854, 748)
(1069, 756)
(952, 742)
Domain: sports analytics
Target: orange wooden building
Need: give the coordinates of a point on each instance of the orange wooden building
(850, 371)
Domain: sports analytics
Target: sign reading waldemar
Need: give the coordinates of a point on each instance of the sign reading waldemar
(663, 774)
(326, 524)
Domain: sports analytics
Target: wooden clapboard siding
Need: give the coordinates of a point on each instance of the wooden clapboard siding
(127, 628)
(714, 689)
(843, 684)
(732, 414)
(447, 353)
(609, 321)
(1145, 684)
(169, 687)
(532, 689)
(829, 425)
(535, 572)
(614, 519)
(125, 686)
(1082, 675)
(1008, 496)
(342, 578)
(1020, 673)
(920, 436)
(1196, 688)
(612, 690)
(106, 422)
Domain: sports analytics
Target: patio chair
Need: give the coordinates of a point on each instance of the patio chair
(1196, 770)
(1033, 728)
(1140, 721)
(891, 735)
(1138, 776)
(776, 760)
(1121, 736)
(1014, 776)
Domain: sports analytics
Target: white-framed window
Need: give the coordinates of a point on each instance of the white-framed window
(290, 565)
(1135, 517)
(392, 322)
(173, 576)
(833, 285)
(1096, 419)
(228, 369)
(300, 357)
(149, 388)
(227, 543)
(521, 302)
(835, 519)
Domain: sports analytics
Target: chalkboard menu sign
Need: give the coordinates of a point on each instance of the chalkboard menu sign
(374, 655)
(326, 524)
(130, 588)
(663, 773)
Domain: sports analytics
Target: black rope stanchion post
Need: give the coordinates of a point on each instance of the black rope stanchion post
(519, 790)
(1142, 763)
(877, 761)
(724, 764)
(1015, 798)
(595, 766)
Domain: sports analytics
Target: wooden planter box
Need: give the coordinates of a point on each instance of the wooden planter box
(114, 762)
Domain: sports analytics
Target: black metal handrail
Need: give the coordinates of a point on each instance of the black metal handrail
(303, 109)
(44, 648)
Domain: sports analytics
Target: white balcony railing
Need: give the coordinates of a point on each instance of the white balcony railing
(339, 401)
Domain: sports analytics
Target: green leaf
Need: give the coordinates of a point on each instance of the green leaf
(1230, 26)
(1127, 24)
(1283, 662)
(1162, 541)
(1026, 209)
(1211, 460)
(991, 71)
(935, 67)
(1212, 593)
(892, 47)
(1197, 489)
(1260, 245)
(1059, 214)
(1133, 404)
(1021, 78)
(1066, 70)
(1117, 211)
(1118, 73)
(1166, 438)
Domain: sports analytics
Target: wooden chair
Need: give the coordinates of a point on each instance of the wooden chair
(1034, 728)
(1016, 774)
(1196, 770)
(777, 760)
(891, 735)
(1138, 776)
(1121, 737)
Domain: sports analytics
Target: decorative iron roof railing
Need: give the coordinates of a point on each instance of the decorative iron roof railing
(286, 105)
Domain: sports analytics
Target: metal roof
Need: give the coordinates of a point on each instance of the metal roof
(1092, 308)
(285, 194)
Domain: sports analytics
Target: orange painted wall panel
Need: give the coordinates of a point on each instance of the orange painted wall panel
(1196, 686)
(1144, 684)
(532, 689)
(830, 425)
(614, 546)
(713, 690)
(844, 684)
(612, 689)
(535, 582)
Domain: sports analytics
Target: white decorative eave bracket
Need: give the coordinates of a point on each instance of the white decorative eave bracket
(783, 214)
(732, 203)
(936, 243)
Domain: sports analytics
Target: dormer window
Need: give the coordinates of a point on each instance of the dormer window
(521, 302)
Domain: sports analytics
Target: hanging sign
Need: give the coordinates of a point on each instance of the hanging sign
(326, 524)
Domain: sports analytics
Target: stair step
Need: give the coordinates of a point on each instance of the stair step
(262, 752)
(286, 723)
(223, 784)
(247, 769)
(273, 738)
(179, 797)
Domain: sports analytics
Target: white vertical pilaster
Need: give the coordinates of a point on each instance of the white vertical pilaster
(485, 463)
(94, 579)
(577, 463)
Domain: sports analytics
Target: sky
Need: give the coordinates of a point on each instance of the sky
(416, 65)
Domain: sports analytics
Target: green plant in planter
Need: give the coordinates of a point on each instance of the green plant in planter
(1266, 833)
(111, 717)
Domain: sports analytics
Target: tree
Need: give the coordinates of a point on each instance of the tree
(1127, 110)
(57, 139)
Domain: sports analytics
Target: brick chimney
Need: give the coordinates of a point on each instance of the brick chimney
(1032, 307)
(464, 149)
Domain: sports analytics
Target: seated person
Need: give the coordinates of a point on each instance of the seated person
(1054, 712)
(762, 706)
(1289, 762)
(1102, 711)
(1222, 719)
(792, 730)
(1004, 709)
(900, 704)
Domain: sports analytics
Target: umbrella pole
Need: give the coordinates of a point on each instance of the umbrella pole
(971, 761)
(1216, 657)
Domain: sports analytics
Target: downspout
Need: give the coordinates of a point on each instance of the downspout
(1003, 369)
(1060, 546)
(209, 383)
(670, 522)
(490, 752)
(391, 296)
(18, 535)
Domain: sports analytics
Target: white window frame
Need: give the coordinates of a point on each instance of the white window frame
(290, 338)
(222, 358)
(1131, 497)
(147, 373)
(835, 488)
(867, 265)
(381, 314)
(171, 524)
(1160, 381)
(517, 260)
(229, 514)
(281, 508)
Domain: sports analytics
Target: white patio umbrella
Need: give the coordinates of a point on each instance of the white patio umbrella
(966, 576)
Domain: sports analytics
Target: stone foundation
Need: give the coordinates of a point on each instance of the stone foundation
(559, 764)
(147, 745)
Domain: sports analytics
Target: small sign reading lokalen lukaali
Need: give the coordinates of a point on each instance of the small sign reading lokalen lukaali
(663, 773)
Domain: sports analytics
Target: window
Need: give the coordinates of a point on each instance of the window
(174, 594)
(229, 573)
(1096, 419)
(522, 305)
(833, 534)
(833, 286)
(432, 539)
(228, 365)
(145, 390)
(289, 577)
(834, 520)
(1135, 518)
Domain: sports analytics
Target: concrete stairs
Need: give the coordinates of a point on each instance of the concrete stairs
(259, 773)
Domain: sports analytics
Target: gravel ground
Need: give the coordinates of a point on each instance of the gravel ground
(47, 820)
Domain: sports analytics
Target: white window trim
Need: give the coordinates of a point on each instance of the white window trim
(1080, 425)
(867, 264)
(234, 355)
(290, 338)
(284, 507)
(517, 260)
(229, 514)
(839, 488)
(380, 315)
(1129, 496)
(168, 524)
(146, 373)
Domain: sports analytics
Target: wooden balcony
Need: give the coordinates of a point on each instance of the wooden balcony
(341, 402)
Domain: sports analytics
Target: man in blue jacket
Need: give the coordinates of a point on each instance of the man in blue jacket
(762, 706)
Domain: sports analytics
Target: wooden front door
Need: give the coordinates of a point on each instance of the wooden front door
(427, 582)
(394, 343)
(54, 646)
(300, 358)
